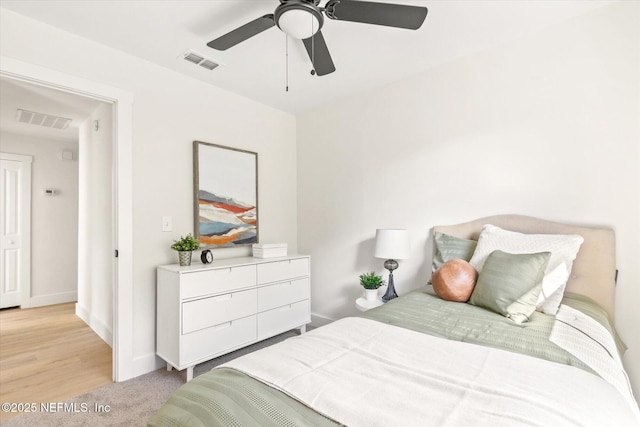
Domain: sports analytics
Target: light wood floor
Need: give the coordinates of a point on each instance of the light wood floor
(48, 354)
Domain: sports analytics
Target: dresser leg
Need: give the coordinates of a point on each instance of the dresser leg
(303, 329)
(189, 373)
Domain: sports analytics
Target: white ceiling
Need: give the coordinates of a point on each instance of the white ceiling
(365, 56)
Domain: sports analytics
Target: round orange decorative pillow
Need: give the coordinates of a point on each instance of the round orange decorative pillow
(454, 280)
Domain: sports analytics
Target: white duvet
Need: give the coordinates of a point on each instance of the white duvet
(592, 343)
(360, 372)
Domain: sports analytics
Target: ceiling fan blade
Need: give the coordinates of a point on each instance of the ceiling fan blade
(243, 33)
(387, 14)
(319, 54)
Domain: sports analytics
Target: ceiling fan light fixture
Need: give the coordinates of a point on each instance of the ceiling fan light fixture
(298, 20)
(303, 20)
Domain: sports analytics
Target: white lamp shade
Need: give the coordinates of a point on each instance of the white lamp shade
(392, 244)
(299, 24)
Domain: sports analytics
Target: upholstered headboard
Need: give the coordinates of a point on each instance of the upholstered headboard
(594, 269)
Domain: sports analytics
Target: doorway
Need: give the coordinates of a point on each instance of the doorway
(57, 240)
(122, 242)
(70, 138)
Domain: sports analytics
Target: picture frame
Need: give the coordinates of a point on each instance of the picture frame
(225, 182)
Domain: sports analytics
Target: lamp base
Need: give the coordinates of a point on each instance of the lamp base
(391, 291)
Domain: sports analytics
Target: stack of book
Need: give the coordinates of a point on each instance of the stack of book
(269, 250)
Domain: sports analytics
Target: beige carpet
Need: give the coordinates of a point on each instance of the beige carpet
(129, 403)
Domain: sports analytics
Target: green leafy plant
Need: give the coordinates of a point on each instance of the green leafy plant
(371, 280)
(186, 243)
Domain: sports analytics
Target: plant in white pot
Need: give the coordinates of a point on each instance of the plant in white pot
(371, 282)
(185, 246)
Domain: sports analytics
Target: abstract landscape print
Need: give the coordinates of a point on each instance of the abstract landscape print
(226, 195)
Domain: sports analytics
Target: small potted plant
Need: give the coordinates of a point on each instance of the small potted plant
(371, 282)
(185, 246)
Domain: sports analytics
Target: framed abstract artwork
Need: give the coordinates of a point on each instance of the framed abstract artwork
(225, 195)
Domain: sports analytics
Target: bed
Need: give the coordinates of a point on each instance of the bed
(421, 360)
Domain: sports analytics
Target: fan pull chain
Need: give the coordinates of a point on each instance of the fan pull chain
(313, 50)
(286, 48)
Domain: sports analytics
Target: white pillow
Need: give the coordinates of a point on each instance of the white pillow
(563, 248)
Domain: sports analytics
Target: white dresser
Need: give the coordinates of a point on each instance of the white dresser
(204, 311)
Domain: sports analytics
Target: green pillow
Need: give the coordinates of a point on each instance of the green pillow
(509, 284)
(450, 247)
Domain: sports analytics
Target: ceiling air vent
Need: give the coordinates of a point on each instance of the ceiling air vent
(42, 119)
(196, 58)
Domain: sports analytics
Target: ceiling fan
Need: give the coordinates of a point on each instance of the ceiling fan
(303, 19)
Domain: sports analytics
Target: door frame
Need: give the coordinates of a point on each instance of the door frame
(122, 104)
(25, 224)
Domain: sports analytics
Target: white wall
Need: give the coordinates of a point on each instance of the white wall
(546, 126)
(54, 219)
(95, 224)
(169, 112)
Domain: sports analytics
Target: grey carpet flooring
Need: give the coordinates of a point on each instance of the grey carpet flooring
(129, 403)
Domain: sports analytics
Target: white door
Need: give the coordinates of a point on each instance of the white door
(15, 226)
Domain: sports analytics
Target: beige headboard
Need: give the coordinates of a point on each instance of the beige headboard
(594, 269)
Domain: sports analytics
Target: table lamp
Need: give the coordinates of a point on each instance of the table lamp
(391, 244)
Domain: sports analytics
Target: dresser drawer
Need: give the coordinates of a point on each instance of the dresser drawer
(282, 293)
(211, 342)
(282, 319)
(282, 270)
(206, 312)
(200, 283)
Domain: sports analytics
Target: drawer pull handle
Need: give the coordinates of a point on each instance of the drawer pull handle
(221, 298)
(222, 326)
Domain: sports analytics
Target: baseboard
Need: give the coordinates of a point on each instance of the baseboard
(318, 320)
(147, 363)
(100, 328)
(52, 299)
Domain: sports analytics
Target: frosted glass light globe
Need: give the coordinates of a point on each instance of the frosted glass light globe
(298, 23)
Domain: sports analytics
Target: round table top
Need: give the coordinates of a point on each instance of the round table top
(363, 304)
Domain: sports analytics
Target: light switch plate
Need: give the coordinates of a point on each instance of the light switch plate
(167, 223)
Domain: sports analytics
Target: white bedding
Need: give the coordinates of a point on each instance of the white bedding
(360, 372)
(592, 343)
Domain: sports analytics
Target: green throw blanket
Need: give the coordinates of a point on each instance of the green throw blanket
(426, 313)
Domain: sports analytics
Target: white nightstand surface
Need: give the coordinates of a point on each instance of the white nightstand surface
(363, 304)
